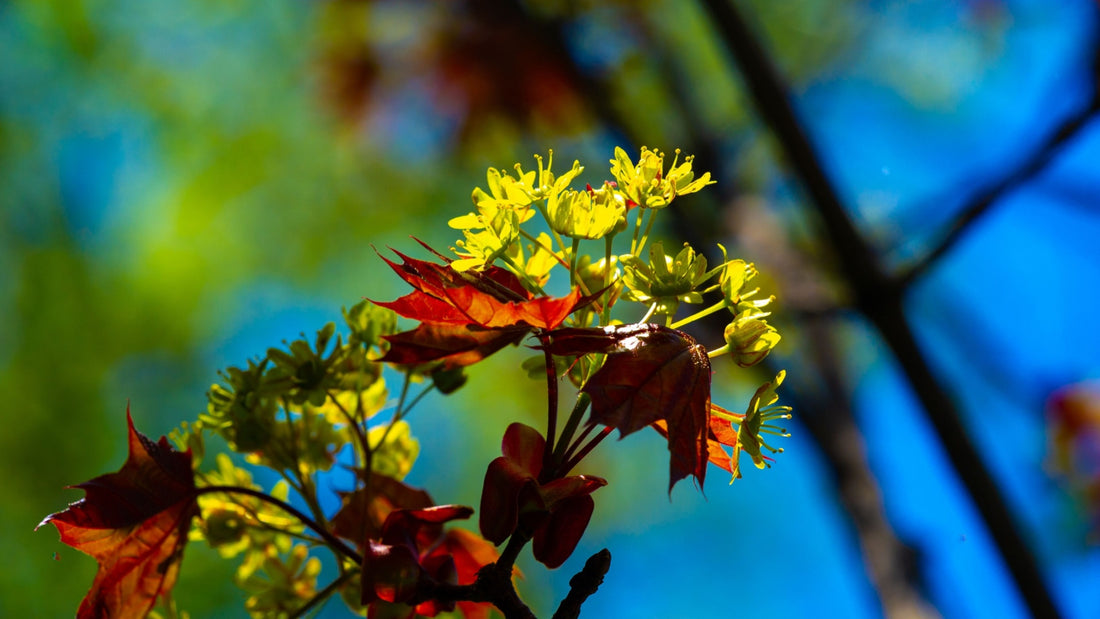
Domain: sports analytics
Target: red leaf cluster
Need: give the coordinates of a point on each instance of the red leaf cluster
(406, 551)
(465, 317)
(653, 375)
(555, 514)
(134, 523)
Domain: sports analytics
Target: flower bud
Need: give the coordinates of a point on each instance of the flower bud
(750, 340)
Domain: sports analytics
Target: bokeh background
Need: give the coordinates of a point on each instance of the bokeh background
(185, 183)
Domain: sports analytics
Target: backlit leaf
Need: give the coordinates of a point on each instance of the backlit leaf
(134, 523)
(652, 373)
(453, 345)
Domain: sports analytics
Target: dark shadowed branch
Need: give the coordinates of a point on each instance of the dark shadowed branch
(1028, 169)
(880, 298)
(584, 584)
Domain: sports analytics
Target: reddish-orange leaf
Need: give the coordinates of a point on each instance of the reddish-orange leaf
(420, 305)
(493, 298)
(721, 434)
(470, 553)
(454, 345)
(134, 523)
(652, 373)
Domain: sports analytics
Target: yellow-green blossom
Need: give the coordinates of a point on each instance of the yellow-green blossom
(586, 214)
(665, 280)
(646, 184)
(490, 233)
(761, 411)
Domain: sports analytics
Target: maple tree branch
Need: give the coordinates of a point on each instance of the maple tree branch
(493, 584)
(333, 542)
(880, 298)
(321, 596)
(584, 584)
(1066, 131)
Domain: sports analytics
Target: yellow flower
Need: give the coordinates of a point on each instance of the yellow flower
(665, 280)
(646, 184)
(761, 411)
(585, 214)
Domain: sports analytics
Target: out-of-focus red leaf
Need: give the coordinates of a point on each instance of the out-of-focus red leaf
(390, 573)
(454, 345)
(523, 445)
(397, 567)
(470, 553)
(365, 510)
(134, 523)
(652, 373)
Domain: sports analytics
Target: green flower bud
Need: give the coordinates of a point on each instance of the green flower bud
(750, 339)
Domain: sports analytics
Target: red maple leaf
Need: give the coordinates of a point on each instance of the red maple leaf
(454, 346)
(467, 316)
(652, 373)
(365, 510)
(720, 434)
(399, 529)
(134, 523)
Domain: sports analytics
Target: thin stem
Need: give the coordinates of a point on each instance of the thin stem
(648, 229)
(587, 449)
(718, 352)
(605, 315)
(639, 213)
(570, 427)
(649, 313)
(321, 596)
(400, 414)
(588, 428)
(360, 436)
(717, 307)
(335, 543)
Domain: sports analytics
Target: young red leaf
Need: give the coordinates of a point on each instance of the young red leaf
(422, 306)
(454, 345)
(554, 514)
(134, 523)
(557, 538)
(653, 373)
(398, 566)
(493, 298)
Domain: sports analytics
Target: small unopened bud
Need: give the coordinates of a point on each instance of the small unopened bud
(750, 340)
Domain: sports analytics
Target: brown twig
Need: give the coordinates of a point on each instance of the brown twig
(584, 584)
(980, 204)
